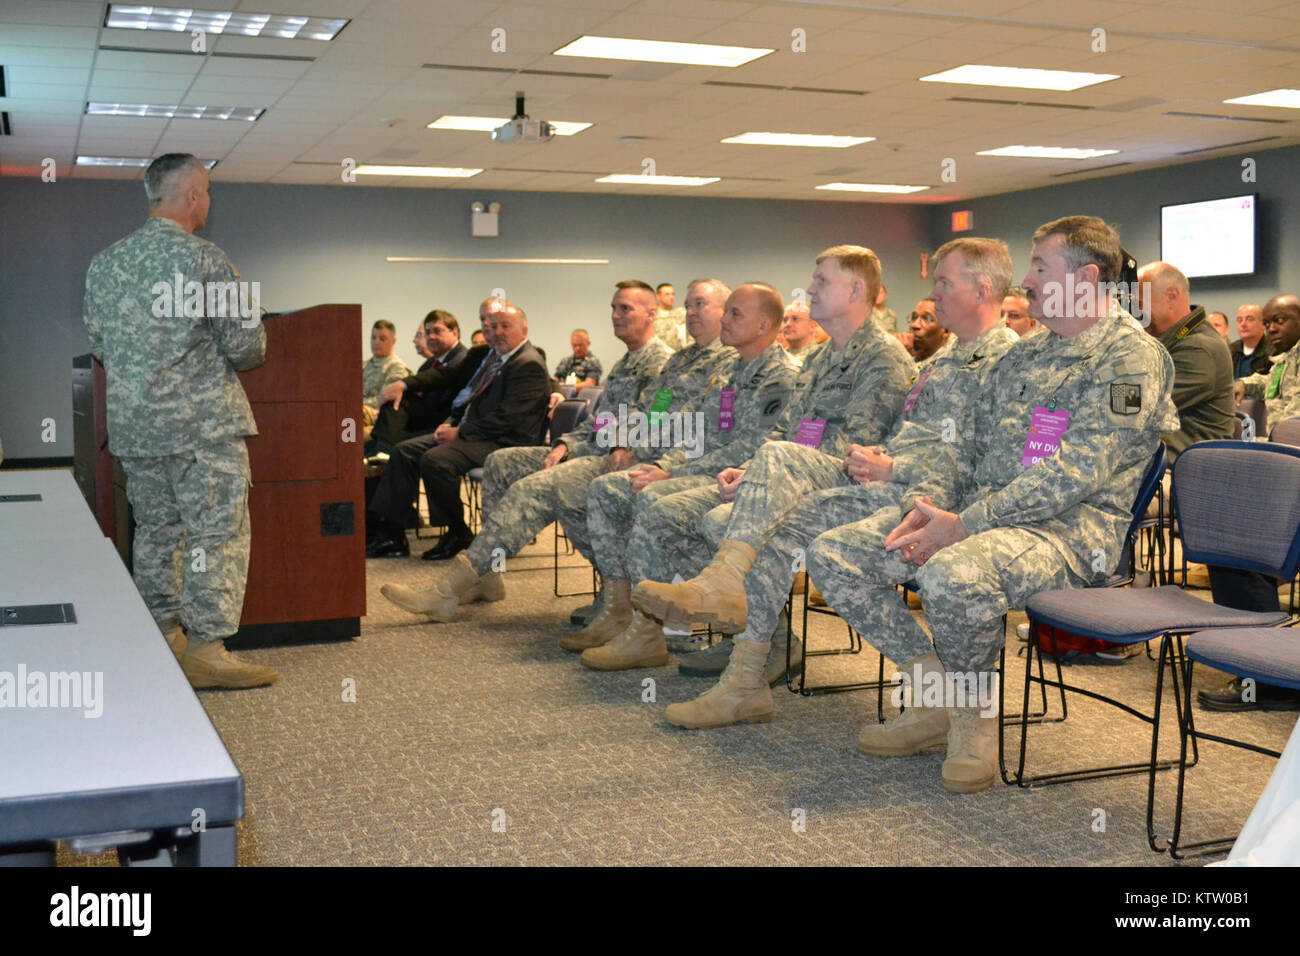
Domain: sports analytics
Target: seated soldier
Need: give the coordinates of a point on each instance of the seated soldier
(970, 276)
(581, 369)
(559, 488)
(1280, 388)
(1060, 440)
(1015, 313)
(380, 369)
(735, 420)
(928, 336)
(799, 333)
(851, 390)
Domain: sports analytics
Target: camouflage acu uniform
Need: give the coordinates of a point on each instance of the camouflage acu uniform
(670, 328)
(801, 355)
(1057, 523)
(630, 376)
(560, 493)
(378, 372)
(857, 390)
(941, 403)
(177, 417)
(620, 536)
(886, 319)
(1280, 388)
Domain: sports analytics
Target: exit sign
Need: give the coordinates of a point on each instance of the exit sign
(961, 221)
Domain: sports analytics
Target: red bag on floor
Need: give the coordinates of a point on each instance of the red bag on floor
(1067, 642)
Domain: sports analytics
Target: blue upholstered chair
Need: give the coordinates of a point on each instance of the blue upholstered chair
(1217, 529)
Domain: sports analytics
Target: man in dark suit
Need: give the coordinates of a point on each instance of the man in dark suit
(400, 480)
(504, 404)
(1251, 352)
(421, 411)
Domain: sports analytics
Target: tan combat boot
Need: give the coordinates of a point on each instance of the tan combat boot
(972, 762)
(916, 729)
(775, 671)
(176, 640)
(641, 645)
(612, 620)
(440, 601)
(209, 664)
(716, 597)
(741, 693)
(490, 587)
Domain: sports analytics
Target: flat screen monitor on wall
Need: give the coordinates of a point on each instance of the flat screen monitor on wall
(1211, 238)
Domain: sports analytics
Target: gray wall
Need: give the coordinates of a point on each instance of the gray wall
(1133, 202)
(315, 244)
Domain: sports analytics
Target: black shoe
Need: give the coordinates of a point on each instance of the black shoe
(1231, 698)
(449, 545)
(388, 546)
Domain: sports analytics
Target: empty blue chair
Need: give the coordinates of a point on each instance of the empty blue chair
(1217, 529)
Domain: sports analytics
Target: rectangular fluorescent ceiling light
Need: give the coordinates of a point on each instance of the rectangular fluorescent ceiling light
(798, 139)
(1047, 152)
(662, 51)
(872, 188)
(443, 172)
(178, 20)
(1286, 98)
(1018, 77)
(248, 113)
(127, 161)
(486, 124)
(636, 179)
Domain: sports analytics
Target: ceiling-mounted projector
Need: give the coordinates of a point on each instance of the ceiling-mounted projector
(521, 129)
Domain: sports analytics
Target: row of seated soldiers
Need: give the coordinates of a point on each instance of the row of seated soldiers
(1002, 468)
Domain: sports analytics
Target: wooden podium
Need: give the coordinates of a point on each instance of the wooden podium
(306, 572)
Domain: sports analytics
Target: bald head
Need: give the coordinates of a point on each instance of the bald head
(751, 319)
(1163, 296)
(509, 327)
(1282, 322)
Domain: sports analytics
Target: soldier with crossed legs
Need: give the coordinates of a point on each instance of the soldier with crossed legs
(1044, 486)
(970, 280)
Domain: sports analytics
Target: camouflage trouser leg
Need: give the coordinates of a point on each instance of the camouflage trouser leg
(666, 539)
(778, 477)
(714, 524)
(528, 506)
(612, 508)
(571, 503)
(967, 588)
(192, 536)
(768, 583)
(504, 467)
(856, 575)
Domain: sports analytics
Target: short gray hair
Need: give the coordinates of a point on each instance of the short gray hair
(722, 287)
(987, 260)
(159, 176)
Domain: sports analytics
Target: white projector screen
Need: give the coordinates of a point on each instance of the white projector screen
(1211, 238)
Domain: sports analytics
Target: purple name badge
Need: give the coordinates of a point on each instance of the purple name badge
(726, 409)
(810, 432)
(1045, 431)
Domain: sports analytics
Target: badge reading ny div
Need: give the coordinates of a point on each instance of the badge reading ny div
(1125, 399)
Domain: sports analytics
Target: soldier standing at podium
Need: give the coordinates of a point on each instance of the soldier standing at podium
(165, 314)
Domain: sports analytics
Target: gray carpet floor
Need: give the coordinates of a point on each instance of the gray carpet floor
(483, 742)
